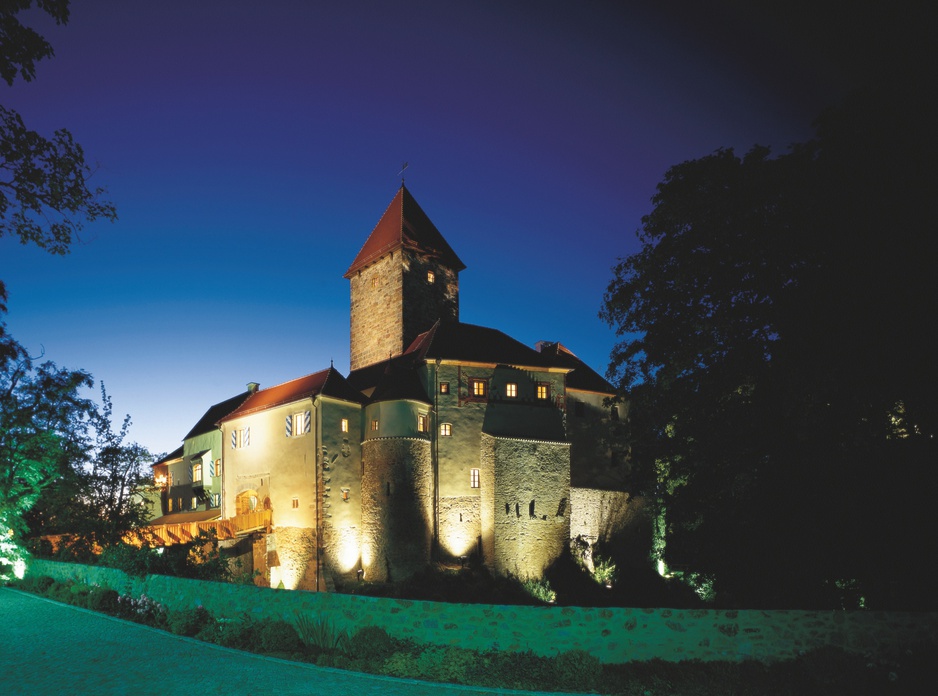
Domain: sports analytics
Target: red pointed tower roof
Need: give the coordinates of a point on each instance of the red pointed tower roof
(405, 225)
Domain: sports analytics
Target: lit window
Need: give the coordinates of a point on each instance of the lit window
(444, 387)
(169, 505)
(170, 478)
(446, 429)
(422, 423)
(240, 438)
(473, 478)
(197, 472)
(218, 467)
(374, 282)
(195, 502)
(295, 503)
(431, 277)
(511, 390)
(345, 494)
(179, 503)
(478, 388)
(543, 391)
(298, 424)
(374, 425)
(344, 425)
(216, 500)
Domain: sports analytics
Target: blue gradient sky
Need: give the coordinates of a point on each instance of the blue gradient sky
(251, 148)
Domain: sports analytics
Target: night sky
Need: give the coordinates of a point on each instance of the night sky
(250, 148)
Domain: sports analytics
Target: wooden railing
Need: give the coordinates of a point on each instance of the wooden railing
(185, 532)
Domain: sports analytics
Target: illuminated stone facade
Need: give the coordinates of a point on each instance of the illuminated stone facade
(446, 440)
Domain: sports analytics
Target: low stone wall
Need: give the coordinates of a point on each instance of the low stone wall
(613, 635)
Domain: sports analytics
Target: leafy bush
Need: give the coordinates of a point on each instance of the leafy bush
(143, 610)
(279, 637)
(371, 643)
(239, 633)
(539, 590)
(37, 584)
(604, 570)
(578, 670)
(102, 599)
(189, 622)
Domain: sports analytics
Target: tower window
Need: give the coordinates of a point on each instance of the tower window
(374, 282)
(473, 478)
(422, 423)
(343, 426)
(543, 391)
(446, 429)
(431, 277)
(374, 425)
(295, 503)
(511, 390)
(444, 387)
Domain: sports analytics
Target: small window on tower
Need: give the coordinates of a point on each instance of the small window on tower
(344, 425)
(444, 387)
(374, 425)
(295, 503)
(543, 391)
(446, 429)
(473, 478)
(478, 388)
(511, 390)
(431, 277)
(422, 423)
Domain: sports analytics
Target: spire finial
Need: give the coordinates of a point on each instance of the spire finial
(401, 173)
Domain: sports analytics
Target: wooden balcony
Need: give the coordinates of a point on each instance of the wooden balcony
(186, 532)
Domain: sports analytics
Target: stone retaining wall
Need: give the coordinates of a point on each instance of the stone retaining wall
(613, 635)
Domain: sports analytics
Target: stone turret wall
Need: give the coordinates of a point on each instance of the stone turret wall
(376, 315)
(425, 301)
(397, 507)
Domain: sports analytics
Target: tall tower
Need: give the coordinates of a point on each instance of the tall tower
(404, 278)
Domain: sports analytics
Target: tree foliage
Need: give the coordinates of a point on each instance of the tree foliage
(772, 343)
(45, 191)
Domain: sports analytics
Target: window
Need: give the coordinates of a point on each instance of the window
(422, 423)
(295, 503)
(543, 391)
(218, 468)
(343, 426)
(345, 494)
(511, 390)
(298, 424)
(374, 282)
(197, 472)
(431, 277)
(473, 478)
(170, 478)
(179, 503)
(195, 503)
(478, 388)
(446, 429)
(374, 425)
(444, 387)
(216, 500)
(169, 505)
(240, 438)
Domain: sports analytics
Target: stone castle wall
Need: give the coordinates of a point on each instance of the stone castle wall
(397, 507)
(614, 635)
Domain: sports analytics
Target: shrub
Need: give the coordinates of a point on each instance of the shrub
(37, 584)
(371, 642)
(539, 590)
(189, 622)
(236, 633)
(280, 637)
(102, 599)
(577, 669)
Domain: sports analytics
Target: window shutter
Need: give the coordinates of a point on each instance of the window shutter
(189, 473)
(247, 437)
(289, 426)
(234, 439)
(211, 469)
(307, 422)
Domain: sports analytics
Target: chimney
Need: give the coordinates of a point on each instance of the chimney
(252, 387)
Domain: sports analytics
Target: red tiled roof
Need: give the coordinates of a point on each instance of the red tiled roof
(404, 224)
(471, 343)
(329, 382)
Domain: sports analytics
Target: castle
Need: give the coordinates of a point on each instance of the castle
(446, 440)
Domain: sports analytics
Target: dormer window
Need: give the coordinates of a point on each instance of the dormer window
(511, 390)
(543, 391)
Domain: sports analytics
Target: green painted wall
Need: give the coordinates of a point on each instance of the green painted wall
(614, 635)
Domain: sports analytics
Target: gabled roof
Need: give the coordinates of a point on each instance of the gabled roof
(175, 454)
(399, 381)
(582, 376)
(328, 382)
(215, 413)
(404, 224)
(471, 343)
